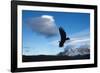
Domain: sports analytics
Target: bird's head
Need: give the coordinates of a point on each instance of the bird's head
(68, 38)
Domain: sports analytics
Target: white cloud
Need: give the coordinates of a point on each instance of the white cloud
(78, 41)
(48, 17)
(44, 25)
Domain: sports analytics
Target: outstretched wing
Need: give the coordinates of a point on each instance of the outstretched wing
(62, 33)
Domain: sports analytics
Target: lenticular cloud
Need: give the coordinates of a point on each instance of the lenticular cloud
(44, 25)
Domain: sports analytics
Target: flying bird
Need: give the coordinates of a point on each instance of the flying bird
(63, 37)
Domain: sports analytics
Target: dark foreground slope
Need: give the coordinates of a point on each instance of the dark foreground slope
(53, 58)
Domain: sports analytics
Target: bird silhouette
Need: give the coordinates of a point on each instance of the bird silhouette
(63, 37)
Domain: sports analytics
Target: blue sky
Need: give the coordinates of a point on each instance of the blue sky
(35, 41)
